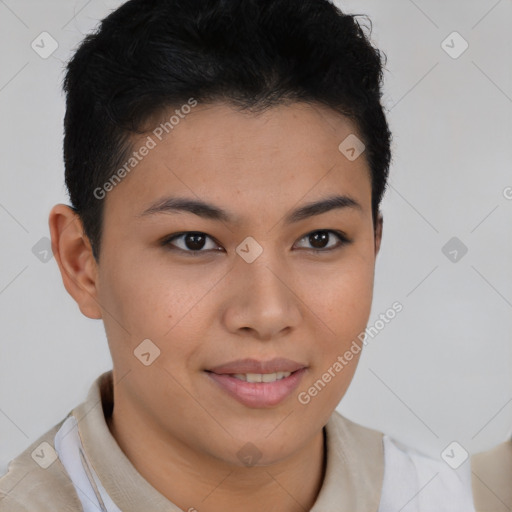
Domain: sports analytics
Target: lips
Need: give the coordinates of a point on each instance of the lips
(258, 384)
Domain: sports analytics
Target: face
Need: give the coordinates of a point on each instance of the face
(249, 286)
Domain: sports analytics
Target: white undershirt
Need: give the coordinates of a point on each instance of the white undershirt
(91, 493)
(412, 481)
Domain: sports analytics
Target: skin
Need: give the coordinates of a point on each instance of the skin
(180, 431)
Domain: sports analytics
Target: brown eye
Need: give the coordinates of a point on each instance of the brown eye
(194, 241)
(320, 240)
(191, 241)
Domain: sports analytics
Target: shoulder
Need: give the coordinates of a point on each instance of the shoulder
(355, 463)
(491, 479)
(360, 448)
(357, 435)
(36, 481)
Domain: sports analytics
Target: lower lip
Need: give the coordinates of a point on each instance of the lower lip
(258, 394)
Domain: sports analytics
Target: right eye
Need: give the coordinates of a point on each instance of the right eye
(192, 242)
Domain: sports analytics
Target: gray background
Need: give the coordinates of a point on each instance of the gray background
(441, 370)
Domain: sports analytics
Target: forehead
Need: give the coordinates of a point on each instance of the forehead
(285, 132)
(268, 159)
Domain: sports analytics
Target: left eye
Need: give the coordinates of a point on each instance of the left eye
(194, 242)
(320, 240)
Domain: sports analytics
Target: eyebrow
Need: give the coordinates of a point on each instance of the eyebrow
(210, 211)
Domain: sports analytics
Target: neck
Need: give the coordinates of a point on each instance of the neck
(196, 481)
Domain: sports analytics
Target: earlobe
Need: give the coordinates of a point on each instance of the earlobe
(73, 253)
(378, 232)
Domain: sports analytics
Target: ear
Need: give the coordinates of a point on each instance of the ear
(73, 253)
(378, 232)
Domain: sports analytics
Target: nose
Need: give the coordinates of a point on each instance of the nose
(264, 302)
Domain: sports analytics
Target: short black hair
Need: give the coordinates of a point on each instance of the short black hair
(149, 55)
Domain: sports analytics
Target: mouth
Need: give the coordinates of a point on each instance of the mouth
(258, 384)
(255, 367)
(261, 377)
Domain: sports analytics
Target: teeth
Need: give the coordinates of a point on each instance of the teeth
(261, 377)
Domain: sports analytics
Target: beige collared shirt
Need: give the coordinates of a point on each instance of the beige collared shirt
(492, 479)
(37, 480)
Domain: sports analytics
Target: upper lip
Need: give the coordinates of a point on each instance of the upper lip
(278, 364)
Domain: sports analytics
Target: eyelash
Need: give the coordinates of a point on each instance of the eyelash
(343, 240)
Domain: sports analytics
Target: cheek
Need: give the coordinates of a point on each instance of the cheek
(344, 305)
(147, 301)
(344, 308)
(343, 298)
(143, 296)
